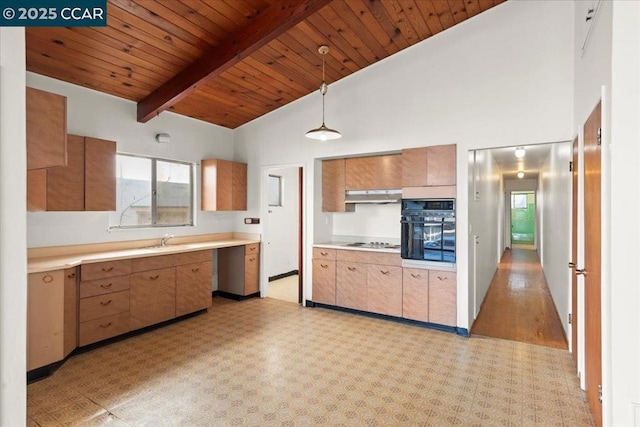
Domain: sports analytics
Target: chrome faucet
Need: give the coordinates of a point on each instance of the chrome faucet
(165, 239)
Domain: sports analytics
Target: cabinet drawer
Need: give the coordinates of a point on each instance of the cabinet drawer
(153, 262)
(370, 257)
(193, 257)
(104, 305)
(103, 328)
(323, 253)
(103, 286)
(251, 249)
(101, 270)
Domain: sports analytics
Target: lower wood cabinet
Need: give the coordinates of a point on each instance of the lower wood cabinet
(324, 276)
(70, 310)
(351, 285)
(45, 318)
(153, 297)
(415, 294)
(193, 287)
(384, 289)
(239, 270)
(442, 297)
(103, 328)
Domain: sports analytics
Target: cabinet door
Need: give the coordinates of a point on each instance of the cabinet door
(46, 129)
(216, 185)
(238, 186)
(45, 319)
(351, 285)
(152, 297)
(384, 289)
(251, 274)
(324, 281)
(442, 297)
(415, 294)
(374, 172)
(333, 186)
(37, 190)
(100, 175)
(70, 310)
(65, 184)
(193, 287)
(441, 165)
(414, 167)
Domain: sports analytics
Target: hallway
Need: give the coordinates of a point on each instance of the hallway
(518, 305)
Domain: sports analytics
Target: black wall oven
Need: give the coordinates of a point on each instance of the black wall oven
(429, 230)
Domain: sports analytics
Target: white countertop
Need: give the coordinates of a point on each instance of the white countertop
(38, 265)
(343, 245)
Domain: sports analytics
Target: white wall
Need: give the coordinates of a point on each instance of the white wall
(554, 203)
(484, 226)
(90, 113)
(281, 236)
(13, 229)
(622, 351)
(498, 79)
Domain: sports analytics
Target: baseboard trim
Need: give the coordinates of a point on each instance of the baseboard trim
(229, 295)
(283, 275)
(428, 325)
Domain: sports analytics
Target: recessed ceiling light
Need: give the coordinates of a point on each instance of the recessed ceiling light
(520, 152)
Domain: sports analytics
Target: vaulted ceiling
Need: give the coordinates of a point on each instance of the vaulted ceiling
(228, 62)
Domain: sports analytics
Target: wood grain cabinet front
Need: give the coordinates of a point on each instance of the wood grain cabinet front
(334, 186)
(442, 297)
(384, 289)
(193, 287)
(351, 285)
(107, 269)
(153, 297)
(103, 328)
(70, 310)
(415, 294)
(324, 281)
(46, 129)
(429, 166)
(223, 185)
(374, 172)
(45, 318)
(239, 270)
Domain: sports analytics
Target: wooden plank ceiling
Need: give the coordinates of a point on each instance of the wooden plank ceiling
(228, 62)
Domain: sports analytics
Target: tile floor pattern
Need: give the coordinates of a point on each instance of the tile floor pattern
(265, 362)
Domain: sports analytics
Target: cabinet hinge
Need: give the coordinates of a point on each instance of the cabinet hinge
(600, 392)
(570, 318)
(570, 166)
(600, 136)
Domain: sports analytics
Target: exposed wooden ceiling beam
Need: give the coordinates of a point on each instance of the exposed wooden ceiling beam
(275, 20)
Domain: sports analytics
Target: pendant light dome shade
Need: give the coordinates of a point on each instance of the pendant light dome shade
(323, 133)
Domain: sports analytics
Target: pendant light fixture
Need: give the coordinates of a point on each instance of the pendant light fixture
(323, 133)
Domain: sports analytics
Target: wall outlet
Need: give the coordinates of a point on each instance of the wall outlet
(252, 220)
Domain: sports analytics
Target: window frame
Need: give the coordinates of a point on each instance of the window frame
(280, 191)
(154, 193)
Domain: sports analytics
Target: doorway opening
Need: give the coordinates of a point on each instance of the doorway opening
(283, 201)
(523, 219)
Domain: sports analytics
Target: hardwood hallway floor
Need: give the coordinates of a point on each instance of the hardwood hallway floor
(518, 305)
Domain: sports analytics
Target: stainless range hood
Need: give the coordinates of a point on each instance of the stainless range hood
(373, 196)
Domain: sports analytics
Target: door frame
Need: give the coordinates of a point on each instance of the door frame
(301, 229)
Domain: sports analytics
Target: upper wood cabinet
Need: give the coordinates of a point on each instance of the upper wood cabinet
(429, 166)
(333, 186)
(99, 175)
(374, 172)
(224, 185)
(86, 183)
(46, 129)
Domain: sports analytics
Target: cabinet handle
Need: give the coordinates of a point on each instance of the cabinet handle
(71, 276)
(195, 270)
(384, 272)
(351, 268)
(105, 303)
(106, 270)
(252, 259)
(103, 286)
(324, 253)
(47, 278)
(106, 326)
(415, 276)
(154, 277)
(324, 266)
(252, 248)
(442, 278)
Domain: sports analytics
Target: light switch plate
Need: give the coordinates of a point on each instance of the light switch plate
(252, 220)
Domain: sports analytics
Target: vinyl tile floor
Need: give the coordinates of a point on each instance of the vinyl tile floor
(265, 362)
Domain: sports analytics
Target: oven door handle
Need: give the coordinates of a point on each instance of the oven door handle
(410, 240)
